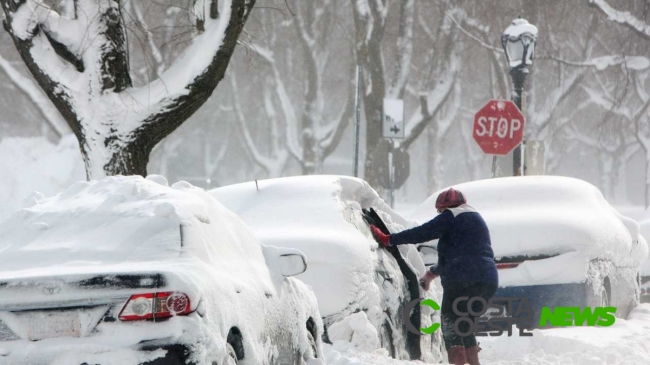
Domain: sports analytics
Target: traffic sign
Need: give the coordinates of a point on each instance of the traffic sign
(498, 127)
(393, 118)
(381, 166)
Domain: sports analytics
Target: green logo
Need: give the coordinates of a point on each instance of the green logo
(407, 319)
(433, 305)
(575, 316)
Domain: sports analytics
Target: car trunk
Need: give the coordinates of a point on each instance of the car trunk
(70, 305)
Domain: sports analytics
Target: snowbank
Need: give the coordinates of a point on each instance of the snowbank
(626, 342)
(550, 215)
(35, 164)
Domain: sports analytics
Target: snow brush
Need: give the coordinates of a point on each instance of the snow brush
(371, 218)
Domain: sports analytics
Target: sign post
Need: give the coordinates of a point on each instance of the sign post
(357, 122)
(392, 128)
(498, 128)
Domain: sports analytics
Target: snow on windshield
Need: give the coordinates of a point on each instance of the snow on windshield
(115, 220)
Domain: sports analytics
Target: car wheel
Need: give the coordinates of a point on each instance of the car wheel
(230, 358)
(604, 299)
(606, 294)
(387, 338)
(312, 349)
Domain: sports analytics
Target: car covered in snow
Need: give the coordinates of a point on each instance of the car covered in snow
(557, 242)
(128, 270)
(322, 217)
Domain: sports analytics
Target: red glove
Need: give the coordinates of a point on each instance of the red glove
(425, 281)
(380, 236)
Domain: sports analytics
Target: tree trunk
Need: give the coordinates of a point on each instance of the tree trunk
(433, 150)
(647, 178)
(369, 24)
(88, 80)
(607, 175)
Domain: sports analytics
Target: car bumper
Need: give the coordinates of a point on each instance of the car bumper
(136, 343)
(539, 296)
(60, 352)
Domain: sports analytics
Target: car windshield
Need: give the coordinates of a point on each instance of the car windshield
(87, 241)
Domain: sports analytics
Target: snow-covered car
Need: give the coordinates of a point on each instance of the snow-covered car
(128, 270)
(557, 242)
(321, 216)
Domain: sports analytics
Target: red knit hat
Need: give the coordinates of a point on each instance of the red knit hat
(450, 198)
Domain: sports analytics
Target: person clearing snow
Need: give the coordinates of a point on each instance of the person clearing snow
(466, 266)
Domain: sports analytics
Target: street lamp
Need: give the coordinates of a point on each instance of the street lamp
(518, 42)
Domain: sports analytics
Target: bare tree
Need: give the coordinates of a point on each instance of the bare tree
(440, 69)
(79, 56)
(303, 115)
(635, 112)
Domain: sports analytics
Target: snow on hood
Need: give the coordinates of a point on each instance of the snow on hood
(321, 216)
(549, 215)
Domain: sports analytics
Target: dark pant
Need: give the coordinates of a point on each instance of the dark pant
(450, 294)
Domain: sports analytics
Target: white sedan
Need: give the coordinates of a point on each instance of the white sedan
(127, 270)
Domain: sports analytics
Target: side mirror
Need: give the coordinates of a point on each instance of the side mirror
(285, 261)
(292, 264)
(429, 254)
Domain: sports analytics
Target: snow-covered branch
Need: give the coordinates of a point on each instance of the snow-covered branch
(430, 104)
(333, 136)
(544, 115)
(450, 15)
(404, 50)
(603, 62)
(622, 17)
(272, 163)
(44, 105)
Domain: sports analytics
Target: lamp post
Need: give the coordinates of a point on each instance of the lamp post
(518, 42)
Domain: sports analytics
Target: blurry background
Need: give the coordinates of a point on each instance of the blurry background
(286, 104)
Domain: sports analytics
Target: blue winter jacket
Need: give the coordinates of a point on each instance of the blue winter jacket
(464, 248)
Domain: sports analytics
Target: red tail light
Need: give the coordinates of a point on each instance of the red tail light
(155, 306)
(509, 265)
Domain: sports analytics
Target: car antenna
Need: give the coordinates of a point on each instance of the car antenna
(256, 186)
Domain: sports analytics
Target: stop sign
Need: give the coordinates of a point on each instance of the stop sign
(498, 127)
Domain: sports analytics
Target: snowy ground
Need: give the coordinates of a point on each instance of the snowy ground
(626, 342)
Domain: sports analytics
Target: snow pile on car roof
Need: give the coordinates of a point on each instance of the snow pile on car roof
(321, 216)
(110, 221)
(35, 164)
(536, 215)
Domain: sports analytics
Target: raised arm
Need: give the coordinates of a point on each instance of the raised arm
(431, 230)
